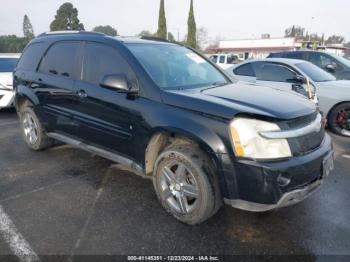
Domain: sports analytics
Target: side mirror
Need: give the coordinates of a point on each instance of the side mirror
(331, 68)
(117, 82)
(298, 79)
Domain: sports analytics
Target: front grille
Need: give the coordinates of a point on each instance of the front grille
(306, 144)
(303, 144)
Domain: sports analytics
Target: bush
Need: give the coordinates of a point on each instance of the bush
(12, 44)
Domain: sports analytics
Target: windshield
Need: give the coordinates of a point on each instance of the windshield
(341, 59)
(8, 64)
(176, 67)
(315, 73)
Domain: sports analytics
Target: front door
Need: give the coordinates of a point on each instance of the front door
(106, 117)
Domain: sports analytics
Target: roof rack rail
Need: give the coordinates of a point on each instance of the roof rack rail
(154, 38)
(70, 32)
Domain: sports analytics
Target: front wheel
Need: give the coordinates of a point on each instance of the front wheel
(339, 119)
(186, 184)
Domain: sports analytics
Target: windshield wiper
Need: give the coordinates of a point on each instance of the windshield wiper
(214, 85)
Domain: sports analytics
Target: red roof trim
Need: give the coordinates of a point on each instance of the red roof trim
(251, 49)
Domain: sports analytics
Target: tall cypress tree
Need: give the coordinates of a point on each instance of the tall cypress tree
(162, 30)
(28, 30)
(192, 29)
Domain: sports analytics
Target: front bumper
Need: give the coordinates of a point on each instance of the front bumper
(6, 98)
(262, 186)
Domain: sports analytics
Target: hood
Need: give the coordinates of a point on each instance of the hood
(335, 84)
(229, 100)
(6, 80)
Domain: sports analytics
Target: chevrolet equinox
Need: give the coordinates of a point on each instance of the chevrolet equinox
(170, 114)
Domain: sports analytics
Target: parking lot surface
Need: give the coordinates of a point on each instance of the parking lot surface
(64, 201)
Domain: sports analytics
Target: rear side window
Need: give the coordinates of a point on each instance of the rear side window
(274, 72)
(293, 55)
(245, 70)
(61, 60)
(222, 59)
(214, 59)
(31, 57)
(101, 60)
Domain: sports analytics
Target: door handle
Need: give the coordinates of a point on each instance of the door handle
(82, 94)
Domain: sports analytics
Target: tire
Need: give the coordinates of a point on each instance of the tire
(32, 131)
(339, 119)
(186, 184)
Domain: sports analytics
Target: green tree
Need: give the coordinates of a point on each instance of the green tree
(28, 30)
(295, 31)
(66, 19)
(162, 30)
(12, 44)
(192, 28)
(335, 39)
(106, 29)
(171, 37)
(145, 33)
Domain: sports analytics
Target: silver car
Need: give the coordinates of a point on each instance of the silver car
(288, 74)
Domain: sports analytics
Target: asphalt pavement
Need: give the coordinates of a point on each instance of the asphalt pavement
(64, 201)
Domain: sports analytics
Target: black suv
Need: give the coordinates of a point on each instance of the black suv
(168, 113)
(336, 65)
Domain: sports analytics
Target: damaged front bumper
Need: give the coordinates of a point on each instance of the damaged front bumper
(261, 186)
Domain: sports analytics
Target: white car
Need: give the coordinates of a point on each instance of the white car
(224, 60)
(8, 63)
(289, 74)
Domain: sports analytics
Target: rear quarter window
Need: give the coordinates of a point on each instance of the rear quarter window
(31, 57)
(245, 70)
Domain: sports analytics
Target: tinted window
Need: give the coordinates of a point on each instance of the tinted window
(61, 60)
(214, 58)
(8, 64)
(274, 72)
(176, 67)
(222, 59)
(101, 60)
(322, 60)
(31, 57)
(245, 70)
(231, 59)
(296, 55)
(275, 55)
(315, 73)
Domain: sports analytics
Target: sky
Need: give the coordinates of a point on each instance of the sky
(226, 19)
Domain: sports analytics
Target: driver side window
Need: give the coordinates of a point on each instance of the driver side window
(274, 73)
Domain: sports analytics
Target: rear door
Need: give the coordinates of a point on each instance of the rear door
(54, 84)
(105, 116)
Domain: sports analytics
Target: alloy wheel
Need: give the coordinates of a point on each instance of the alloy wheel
(179, 188)
(343, 121)
(30, 128)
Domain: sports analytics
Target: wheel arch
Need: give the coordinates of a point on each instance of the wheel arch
(165, 137)
(334, 106)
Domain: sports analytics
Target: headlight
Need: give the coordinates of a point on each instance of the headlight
(247, 142)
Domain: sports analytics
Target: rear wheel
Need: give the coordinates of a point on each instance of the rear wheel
(339, 119)
(33, 133)
(186, 184)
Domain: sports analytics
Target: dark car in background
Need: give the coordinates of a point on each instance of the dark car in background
(170, 114)
(334, 64)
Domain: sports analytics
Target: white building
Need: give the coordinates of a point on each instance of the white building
(256, 48)
(260, 48)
